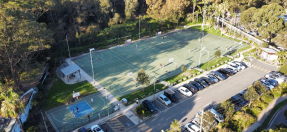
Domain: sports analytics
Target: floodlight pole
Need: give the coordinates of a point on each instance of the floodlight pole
(68, 45)
(139, 27)
(200, 48)
(92, 67)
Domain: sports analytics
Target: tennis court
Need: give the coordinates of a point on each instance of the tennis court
(111, 66)
(67, 117)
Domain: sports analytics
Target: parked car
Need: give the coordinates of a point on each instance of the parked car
(226, 72)
(171, 95)
(243, 63)
(273, 82)
(241, 66)
(233, 66)
(266, 84)
(149, 105)
(218, 75)
(164, 99)
(199, 87)
(191, 88)
(217, 116)
(212, 77)
(201, 82)
(82, 129)
(191, 127)
(276, 76)
(231, 70)
(184, 91)
(96, 128)
(208, 80)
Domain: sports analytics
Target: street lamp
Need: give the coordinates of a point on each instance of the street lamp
(92, 49)
(68, 45)
(202, 33)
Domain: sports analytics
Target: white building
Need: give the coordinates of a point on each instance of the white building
(27, 99)
(269, 54)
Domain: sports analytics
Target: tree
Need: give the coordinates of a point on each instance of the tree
(217, 53)
(281, 39)
(260, 88)
(175, 126)
(267, 20)
(130, 7)
(194, 3)
(283, 69)
(33, 129)
(20, 39)
(143, 78)
(251, 94)
(11, 106)
(282, 57)
(228, 109)
(246, 18)
(208, 119)
(183, 68)
(244, 119)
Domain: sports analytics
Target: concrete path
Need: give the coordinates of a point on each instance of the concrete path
(263, 115)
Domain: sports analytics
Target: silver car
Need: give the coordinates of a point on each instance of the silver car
(164, 99)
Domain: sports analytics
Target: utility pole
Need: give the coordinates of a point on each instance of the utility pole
(68, 45)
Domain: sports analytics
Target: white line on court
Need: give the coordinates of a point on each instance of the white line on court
(52, 122)
(103, 101)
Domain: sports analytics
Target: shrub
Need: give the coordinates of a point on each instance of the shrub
(245, 39)
(264, 45)
(244, 119)
(267, 98)
(33, 129)
(183, 68)
(259, 103)
(141, 108)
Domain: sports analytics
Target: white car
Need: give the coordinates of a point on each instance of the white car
(96, 128)
(233, 66)
(192, 127)
(240, 65)
(164, 99)
(276, 76)
(217, 116)
(184, 91)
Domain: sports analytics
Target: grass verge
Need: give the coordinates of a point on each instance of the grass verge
(213, 62)
(139, 93)
(213, 31)
(180, 76)
(242, 49)
(60, 93)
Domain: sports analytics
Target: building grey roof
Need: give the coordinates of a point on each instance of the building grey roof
(70, 69)
(268, 50)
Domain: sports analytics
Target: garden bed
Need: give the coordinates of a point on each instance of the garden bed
(215, 63)
(182, 76)
(143, 93)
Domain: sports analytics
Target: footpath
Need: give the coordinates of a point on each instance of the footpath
(264, 113)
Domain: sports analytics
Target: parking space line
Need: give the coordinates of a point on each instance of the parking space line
(207, 104)
(197, 98)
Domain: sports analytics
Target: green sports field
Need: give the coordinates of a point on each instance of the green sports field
(112, 65)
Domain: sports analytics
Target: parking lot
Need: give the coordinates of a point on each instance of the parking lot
(184, 111)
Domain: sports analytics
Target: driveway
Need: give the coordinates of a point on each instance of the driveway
(186, 109)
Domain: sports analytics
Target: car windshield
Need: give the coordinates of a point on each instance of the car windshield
(186, 90)
(212, 77)
(197, 85)
(165, 99)
(203, 82)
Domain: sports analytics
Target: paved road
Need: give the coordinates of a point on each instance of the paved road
(279, 118)
(186, 109)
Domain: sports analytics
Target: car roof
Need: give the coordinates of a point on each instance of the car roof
(161, 95)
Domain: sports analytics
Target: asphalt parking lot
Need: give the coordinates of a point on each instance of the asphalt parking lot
(186, 109)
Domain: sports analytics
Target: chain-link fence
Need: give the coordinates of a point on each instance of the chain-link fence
(93, 116)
